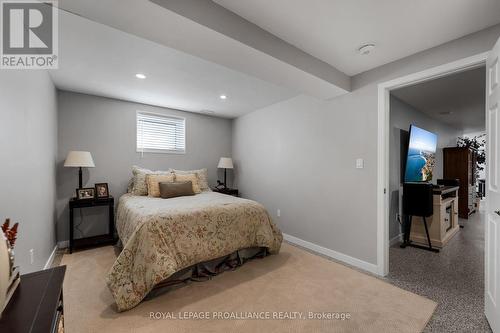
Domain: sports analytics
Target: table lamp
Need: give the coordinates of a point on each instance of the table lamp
(79, 159)
(225, 163)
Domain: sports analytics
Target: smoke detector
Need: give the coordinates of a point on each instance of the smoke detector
(366, 48)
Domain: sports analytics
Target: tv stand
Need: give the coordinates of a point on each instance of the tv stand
(443, 224)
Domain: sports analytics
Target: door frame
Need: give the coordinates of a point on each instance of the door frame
(383, 115)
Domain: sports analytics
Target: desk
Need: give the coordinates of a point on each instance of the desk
(105, 239)
(443, 224)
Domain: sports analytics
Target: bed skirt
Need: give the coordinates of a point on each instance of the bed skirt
(206, 270)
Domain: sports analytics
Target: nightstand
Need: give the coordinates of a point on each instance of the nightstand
(228, 191)
(106, 239)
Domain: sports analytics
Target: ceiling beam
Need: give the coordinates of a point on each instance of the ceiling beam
(206, 30)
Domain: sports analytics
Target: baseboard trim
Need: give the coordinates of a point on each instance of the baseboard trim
(48, 264)
(63, 244)
(396, 240)
(358, 263)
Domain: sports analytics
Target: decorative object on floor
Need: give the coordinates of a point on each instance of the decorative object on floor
(79, 159)
(85, 193)
(98, 240)
(224, 163)
(9, 274)
(101, 191)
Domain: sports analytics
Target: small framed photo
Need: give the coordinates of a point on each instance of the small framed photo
(85, 193)
(102, 191)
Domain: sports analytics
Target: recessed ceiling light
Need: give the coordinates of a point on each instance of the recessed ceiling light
(222, 96)
(366, 49)
(140, 76)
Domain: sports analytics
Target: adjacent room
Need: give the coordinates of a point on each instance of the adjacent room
(245, 166)
(450, 111)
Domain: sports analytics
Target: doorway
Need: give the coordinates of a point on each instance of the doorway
(384, 90)
(383, 195)
(450, 111)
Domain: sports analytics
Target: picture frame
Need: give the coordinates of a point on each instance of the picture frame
(87, 193)
(101, 191)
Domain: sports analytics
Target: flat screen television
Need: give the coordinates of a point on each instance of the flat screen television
(421, 155)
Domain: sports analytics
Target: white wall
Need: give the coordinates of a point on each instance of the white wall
(299, 155)
(107, 128)
(402, 116)
(28, 145)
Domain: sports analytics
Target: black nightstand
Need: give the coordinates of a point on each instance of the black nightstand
(228, 191)
(105, 239)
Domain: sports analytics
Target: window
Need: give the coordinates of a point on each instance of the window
(158, 133)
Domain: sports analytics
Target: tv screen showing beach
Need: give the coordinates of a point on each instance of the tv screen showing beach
(421, 155)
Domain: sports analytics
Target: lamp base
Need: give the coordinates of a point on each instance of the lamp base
(80, 176)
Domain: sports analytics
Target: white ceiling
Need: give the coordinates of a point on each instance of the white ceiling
(332, 30)
(147, 20)
(100, 60)
(463, 94)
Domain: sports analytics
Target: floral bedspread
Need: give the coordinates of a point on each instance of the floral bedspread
(163, 236)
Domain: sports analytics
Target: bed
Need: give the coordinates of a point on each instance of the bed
(162, 237)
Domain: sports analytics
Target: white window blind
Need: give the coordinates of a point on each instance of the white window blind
(160, 133)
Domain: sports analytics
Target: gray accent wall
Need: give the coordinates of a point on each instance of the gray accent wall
(402, 116)
(299, 155)
(28, 148)
(107, 128)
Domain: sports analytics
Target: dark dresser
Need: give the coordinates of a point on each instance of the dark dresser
(460, 163)
(37, 304)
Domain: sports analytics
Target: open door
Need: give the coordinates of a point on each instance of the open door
(492, 230)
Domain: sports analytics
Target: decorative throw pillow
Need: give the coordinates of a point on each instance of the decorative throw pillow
(154, 181)
(140, 186)
(192, 177)
(176, 189)
(202, 177)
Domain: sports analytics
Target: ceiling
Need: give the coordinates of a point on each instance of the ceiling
(462, 94)
(332, 30)
(179, 29)
(100, 60)
(193, 51)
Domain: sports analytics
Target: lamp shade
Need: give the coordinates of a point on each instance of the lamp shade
(77, 159)
(225, 163)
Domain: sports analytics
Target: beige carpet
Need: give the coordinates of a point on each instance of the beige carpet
(293, 283)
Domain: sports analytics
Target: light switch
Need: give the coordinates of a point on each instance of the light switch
(360, 163)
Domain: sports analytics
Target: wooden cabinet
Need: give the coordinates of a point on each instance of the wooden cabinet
(460, 163)
(443, 224)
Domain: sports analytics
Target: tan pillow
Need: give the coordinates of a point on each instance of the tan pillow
(139, 185)
(202, 177)
(192, 177)
(176, 189)
(154, 181)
